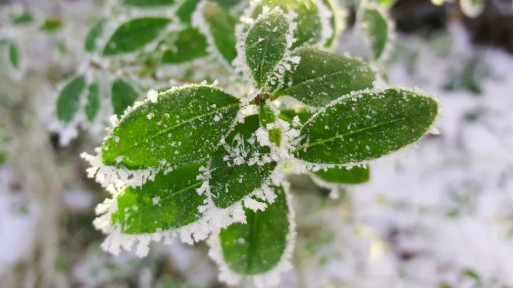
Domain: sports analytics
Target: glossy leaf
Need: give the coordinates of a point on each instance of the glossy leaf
(257, 247)
(148, 3)
(229, 182)
(185, 10)
(265, 45)
(92, 36)
(14, 54)
(309, 28)
(354, 175)
(134, 35)
(123, 95)
(69, 98)
(184, 125)
(169, 202)
(321, 77)
(366, 126)
(221, 25)
(93, 102)
(190, 44)
(375, 27)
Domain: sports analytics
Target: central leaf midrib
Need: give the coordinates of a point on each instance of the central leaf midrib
(171, 195)
(179, 125)
(348, 134)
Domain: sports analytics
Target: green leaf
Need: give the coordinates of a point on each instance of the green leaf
(332, 22)
(51, 25)
(374, 26)
(257, 247)
(266, 116)
(266, 44)
(148, 3)
(169, 202)
(221, 25)
(93, 102)
(303, 114)
(92, 36)
(190, 44)
(309, 28)
(21, 19)
(227, 4)
(69, 98)
(123, 95)
(365, 126)
(134, 35)
(354, 175)
(184, 12)
(321, 77)
(14, 54)
(387, 3)
(230, 183)
(185, 124)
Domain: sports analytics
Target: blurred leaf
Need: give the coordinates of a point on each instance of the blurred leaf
(21, 19)
(69, 98)
(134, 35)
(185, 124)
(93, 102)
(185, 10)
(123, 95)
(189, 45)
(354, 175)
(265, 45)
(374, 26)
(92, 36)
(169, 202)
(322, 77)
(366, 126)
(148, 3)
(14, 54)
(51, 25)
(221, 25)
(258, 246)
(330, 5)
(227, 4)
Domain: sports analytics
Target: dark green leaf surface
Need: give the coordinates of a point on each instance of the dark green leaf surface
(123, 95)
(303, 113)
(257, 247)
(184, 125)
(230, 183)
(14, 54)
(309, 26)
(265, 45)
(169, 202)
(93, 35)
(222, 28)
(354, 175)
(69, 98)
(366, 126)
(185, 10)
(374, 26)
(148, 3)
(322, 77)
(93, 102)
(190, 44)
(134, 35)
(51, 25)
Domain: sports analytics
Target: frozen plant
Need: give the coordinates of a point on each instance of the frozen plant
(197, 163)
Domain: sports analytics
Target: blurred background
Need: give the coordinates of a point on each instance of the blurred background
(442, 216)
